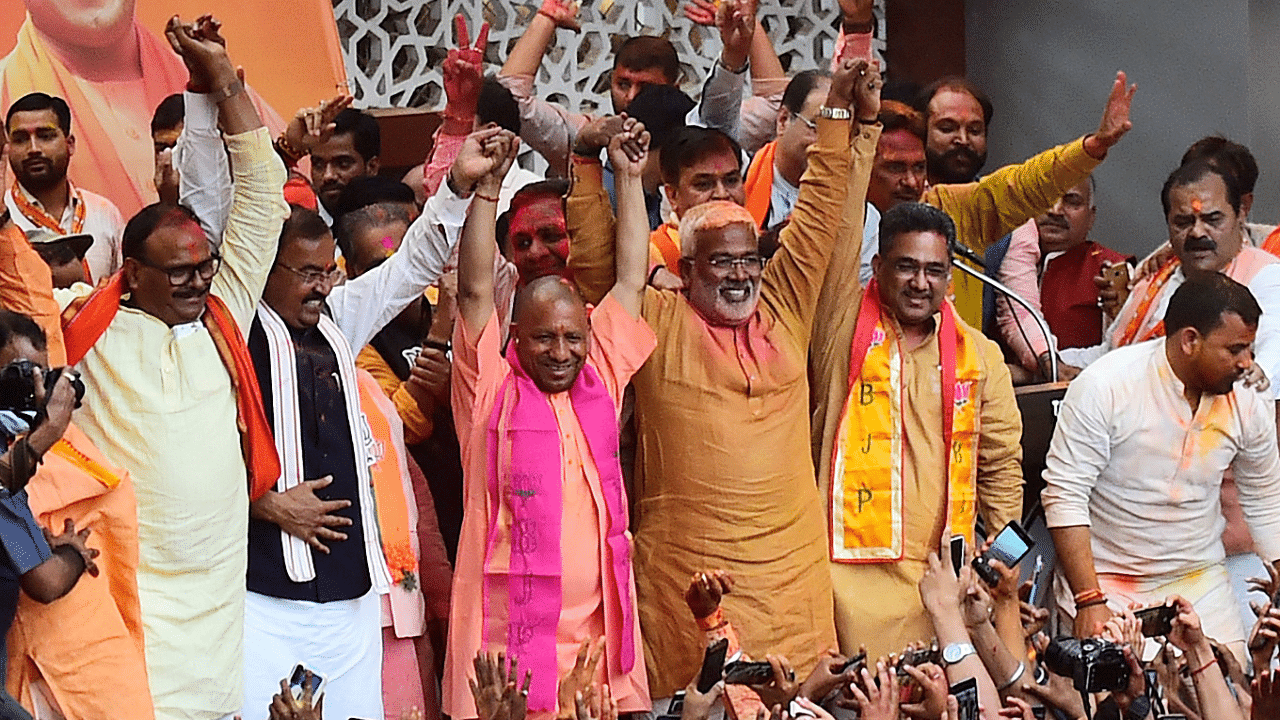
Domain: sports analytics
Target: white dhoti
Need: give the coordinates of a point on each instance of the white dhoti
(340, 640)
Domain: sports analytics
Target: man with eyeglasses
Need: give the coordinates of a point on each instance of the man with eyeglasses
(171, 397)
(773, 178)
(916, 451)
(722, 405)
(316, 547)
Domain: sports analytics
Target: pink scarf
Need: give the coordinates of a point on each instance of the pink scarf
(525, 473)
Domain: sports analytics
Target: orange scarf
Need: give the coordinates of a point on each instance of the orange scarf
(84, 321)
(759, 183)
(387, 472)
(666, 240)
(39, 216)
(1130, 328)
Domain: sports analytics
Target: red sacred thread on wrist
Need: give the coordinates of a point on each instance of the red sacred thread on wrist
(1206, 666)
(493, 200)
(1090, 594)
(548, 16)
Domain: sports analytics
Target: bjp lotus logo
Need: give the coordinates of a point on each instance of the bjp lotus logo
(877, 337)
(964, 389)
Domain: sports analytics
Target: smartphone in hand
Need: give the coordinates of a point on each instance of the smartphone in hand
(1010, 546)
(712, 665)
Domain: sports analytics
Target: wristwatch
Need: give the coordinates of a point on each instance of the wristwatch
(831, 113)
(955, 652)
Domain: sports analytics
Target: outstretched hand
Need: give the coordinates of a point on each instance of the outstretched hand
(313, 126)
(494, 690)
(76, 541)
(1115, 118)
(736, 21)
(463, 70)
(576, 684)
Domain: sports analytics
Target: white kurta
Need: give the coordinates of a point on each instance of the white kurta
(159, 403)
(1132, 461)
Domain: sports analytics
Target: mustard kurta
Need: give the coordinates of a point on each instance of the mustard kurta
(878, 603)
(985, 210)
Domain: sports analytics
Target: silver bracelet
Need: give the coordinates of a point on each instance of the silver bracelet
(1017, 675)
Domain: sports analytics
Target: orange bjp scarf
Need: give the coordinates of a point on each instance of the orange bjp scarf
(84, 321)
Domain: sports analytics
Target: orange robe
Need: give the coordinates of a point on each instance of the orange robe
(87, 647)
(110, 120)
(620, 345)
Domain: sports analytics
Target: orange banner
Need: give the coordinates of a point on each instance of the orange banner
(110, 61)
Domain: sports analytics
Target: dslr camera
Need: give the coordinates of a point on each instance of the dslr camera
(18, 386)
(1093, 664)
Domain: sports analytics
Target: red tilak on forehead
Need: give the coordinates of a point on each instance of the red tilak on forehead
(1196, 205)
(388, 242)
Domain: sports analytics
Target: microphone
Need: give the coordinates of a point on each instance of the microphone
(966, 252)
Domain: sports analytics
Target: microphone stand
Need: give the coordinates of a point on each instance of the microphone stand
(1000, 287)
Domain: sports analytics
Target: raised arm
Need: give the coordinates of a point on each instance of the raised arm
(258, 209)
(546, 127)
(986, 210)
(463, 73)
(526, 56)
(628, 151)
(794, 276)
(489, 156)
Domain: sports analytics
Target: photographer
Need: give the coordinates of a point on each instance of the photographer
(98, 668)
(46, 567)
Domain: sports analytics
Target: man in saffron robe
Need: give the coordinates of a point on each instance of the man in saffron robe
(537, 515)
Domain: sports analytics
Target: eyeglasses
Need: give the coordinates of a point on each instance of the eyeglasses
(184, 274)
(725, 263)
(809, 123)
(315, 277)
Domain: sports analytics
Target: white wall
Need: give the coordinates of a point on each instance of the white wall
(1201, 68)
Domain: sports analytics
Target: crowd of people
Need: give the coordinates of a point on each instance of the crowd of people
(699, 424)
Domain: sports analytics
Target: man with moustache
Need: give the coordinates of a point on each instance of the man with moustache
(958, 114)
(316, 550)
(40, 146)
(1203, 210)
(730, 364)
(164, 338)
(351, 151)
(987, 209)
(544, 536)
(1051, 262)
(1135, 516)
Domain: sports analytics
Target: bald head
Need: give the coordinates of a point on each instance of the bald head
(546, 291)
(551, 332)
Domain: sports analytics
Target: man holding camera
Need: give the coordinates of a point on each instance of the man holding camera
(100, 667)
(1134, 522)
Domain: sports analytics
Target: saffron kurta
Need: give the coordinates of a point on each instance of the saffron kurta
(722, 477)
(87, 647)
(620, 344)
(160, 405)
